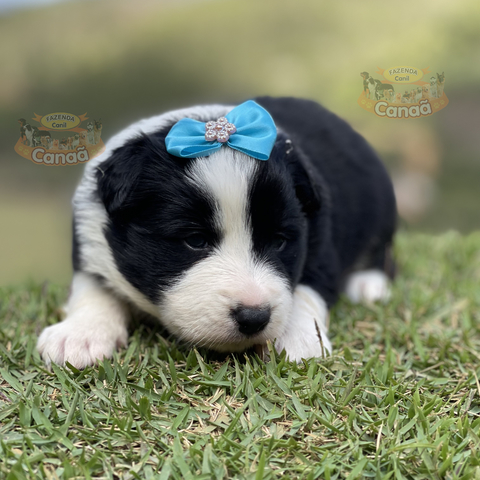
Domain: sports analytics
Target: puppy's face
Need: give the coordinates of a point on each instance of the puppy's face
(216, 244)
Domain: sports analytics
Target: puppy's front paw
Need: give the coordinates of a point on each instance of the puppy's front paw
(307, 343)
(368, 286)
(305, 335)
(80, 342)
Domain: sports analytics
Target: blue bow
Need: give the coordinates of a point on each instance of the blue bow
(255, 134)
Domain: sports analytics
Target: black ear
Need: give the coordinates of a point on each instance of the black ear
(307, 182)
(117, 176)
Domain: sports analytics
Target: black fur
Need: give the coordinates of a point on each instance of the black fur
(75, 249)
(152, 209)
(319, 207)
(358, 217)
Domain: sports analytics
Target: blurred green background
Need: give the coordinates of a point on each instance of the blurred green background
(124, 60)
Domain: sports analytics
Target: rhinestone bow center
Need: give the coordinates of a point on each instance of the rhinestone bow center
(219, 130)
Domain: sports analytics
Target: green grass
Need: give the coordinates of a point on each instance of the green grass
(399, 398)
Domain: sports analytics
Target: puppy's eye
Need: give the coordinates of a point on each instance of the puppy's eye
(197, 241)
(279, 243)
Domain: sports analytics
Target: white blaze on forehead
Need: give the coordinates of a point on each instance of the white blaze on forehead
(198, 308)
(226, 177)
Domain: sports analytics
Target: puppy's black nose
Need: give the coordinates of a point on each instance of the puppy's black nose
(251, 320)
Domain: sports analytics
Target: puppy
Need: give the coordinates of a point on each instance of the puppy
(90, 133)
(83, 138)
(398, 97)
(433, 87)
(372, 88)
(366, 91)
(75, 141)
(440, 84)
(418, 94)
(390, 95)
(26, 132)
(97, 130)
(37, 137)
(69, 143)
(426, 91)
(42, 138)
(227, 249)
(383, 89)
(55, 145)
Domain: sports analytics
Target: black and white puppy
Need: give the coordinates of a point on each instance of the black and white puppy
(227, 251)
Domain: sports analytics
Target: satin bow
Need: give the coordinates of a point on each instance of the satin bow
(255, 134)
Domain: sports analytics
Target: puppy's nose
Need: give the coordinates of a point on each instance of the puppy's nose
(251, 320)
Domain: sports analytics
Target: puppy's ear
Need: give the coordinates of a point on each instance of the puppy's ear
(117, 176)
(308, 184)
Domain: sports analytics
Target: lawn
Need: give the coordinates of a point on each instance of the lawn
(399, 397)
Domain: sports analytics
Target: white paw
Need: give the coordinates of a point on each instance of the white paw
(368, 286)
(306, 333)
(80, 342)
(306, 345)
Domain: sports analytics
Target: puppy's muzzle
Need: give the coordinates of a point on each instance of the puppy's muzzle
(251, 320)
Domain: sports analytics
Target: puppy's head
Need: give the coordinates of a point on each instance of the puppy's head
(217, 243)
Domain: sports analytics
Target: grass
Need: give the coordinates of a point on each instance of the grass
(399, 398)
